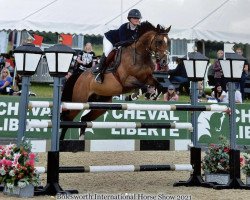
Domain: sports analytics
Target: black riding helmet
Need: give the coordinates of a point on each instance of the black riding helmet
(134, 13)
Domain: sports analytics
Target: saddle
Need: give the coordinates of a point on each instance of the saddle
(112, 62)
(114, 58)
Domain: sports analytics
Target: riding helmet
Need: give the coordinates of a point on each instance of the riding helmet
(134, 13)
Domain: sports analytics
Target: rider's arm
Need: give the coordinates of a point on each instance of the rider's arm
(7, 83)
(123, 33)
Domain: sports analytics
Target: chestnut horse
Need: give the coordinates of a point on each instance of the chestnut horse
(134, 71)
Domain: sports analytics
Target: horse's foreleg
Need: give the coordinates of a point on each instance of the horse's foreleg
(135, 95)
(131, 84)
(63, 117)
(143, 87)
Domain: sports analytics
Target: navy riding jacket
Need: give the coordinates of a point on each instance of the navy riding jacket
(123, 34)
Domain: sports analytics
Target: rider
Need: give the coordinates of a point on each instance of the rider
(126, 32)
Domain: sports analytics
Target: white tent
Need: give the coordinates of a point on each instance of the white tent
(214, 20)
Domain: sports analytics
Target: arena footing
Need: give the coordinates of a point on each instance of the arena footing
(52, 187)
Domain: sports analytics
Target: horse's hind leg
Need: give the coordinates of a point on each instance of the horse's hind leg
(92, 115)
(67, 116)
(63, 132)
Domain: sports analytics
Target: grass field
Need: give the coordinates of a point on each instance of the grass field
(45, 90)
(98, 49)
(42, 89)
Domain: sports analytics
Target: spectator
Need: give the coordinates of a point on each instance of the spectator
(17, 84)
(149, 91)
(244, 76)
(210, 75)
(85, 59)
(5, 81)
(179, 75)
(2, 62)
(218, 73)
(171, 94)
(10, 63)
(9, 67)
(219, 94)
(238, 95)
(245, 72)
(201, 93)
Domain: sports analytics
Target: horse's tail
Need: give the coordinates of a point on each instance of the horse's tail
(67, 92)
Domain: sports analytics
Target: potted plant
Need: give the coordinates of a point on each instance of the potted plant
(246, 167)
(215, 163)
(17, 169)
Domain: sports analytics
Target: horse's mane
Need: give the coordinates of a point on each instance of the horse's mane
(147, 26)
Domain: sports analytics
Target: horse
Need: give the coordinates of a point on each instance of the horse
(134, 71)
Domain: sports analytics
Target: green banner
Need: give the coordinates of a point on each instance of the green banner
(149, 116)
(9, 118)
(213, 124)
(210, 124)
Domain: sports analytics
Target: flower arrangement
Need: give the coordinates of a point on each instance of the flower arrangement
(246, 164)
(17, 165)
(216, 159)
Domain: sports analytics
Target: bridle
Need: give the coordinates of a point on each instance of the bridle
(155, 51)
(152, 51)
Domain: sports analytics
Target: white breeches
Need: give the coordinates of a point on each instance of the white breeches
(107, 46)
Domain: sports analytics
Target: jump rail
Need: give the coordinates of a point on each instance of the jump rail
(102, 125)
(120, 168)
(130, 106)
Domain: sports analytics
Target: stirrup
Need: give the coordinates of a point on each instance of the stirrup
(98, 78)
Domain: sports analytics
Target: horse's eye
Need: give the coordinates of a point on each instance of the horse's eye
(159, 42)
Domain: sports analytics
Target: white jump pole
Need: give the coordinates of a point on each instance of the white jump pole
(130, 106)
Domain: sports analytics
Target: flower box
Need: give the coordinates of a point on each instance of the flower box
(27, 191)
(246, 167)
(17, 169)
(217, 178)
(216, 159)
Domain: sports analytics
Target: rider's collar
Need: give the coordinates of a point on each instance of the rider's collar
(131, 26)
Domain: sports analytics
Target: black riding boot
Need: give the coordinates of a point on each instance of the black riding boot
(101, 69)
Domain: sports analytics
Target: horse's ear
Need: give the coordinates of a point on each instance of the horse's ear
(158, 27)
(168, 29)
